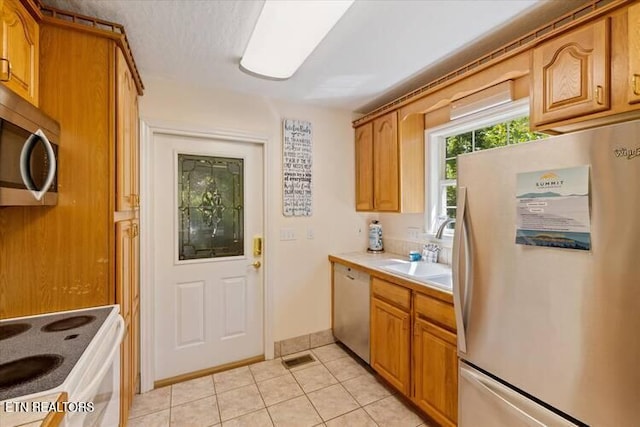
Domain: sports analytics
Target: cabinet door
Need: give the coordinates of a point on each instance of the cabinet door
(19, 43)
(126, 137)
(364, 167)
(135, 146)
(124, 274)
(125, 375)
(435, 372)
(385, 163)
(570, 74)
(633, 28)
(135, 307)
(390, 336)
(135, 349)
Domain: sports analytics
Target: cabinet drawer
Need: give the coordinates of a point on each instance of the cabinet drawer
(436, 311)
(394, 294)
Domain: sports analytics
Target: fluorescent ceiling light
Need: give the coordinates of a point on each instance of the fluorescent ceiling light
(286, 33)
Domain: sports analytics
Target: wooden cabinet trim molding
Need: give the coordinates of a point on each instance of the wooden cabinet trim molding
(97, 26)
(577, 17)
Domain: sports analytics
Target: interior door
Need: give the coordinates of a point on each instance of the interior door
(208, 208)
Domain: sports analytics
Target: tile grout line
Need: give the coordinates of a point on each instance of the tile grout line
(339, 382)
(304, 393)
(215, 393)
(348, 392)
(170, 402)
(266, 408)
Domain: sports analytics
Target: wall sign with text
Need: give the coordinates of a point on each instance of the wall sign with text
(297, 161)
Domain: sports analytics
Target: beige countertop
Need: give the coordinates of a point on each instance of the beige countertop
(32, 412)
(372, 263)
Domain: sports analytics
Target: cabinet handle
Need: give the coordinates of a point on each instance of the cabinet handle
(636, 84)
(8, 70)
(135, 230)
(599, 95)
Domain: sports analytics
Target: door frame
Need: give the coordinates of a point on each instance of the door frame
(148, 130)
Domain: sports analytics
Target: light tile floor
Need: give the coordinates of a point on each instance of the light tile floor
(335, 390)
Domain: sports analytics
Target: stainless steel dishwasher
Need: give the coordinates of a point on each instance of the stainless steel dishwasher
(351, 309)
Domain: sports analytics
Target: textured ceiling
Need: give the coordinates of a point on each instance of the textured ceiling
(378, 48)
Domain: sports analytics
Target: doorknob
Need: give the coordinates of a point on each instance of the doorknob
(256, 264)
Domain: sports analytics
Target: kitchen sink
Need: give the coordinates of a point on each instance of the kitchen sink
(443, 281)
(428, 272)
(417, 269)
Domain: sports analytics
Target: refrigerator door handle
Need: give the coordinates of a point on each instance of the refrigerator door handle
(486, 386)
(459, 287)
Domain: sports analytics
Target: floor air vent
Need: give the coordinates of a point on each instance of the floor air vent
(297, 361)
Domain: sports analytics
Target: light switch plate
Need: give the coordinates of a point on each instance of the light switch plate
(287, 234)
(310, 233)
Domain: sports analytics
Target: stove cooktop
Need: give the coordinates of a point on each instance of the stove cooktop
(38, 353)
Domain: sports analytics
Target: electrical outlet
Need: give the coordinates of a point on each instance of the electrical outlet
(413, 233)
(287, 234)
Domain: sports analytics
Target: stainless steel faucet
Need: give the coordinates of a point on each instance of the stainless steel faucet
(443, 226)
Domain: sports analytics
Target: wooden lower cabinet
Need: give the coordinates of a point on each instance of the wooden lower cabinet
(126, 395)
(435, 368)
(127, 295)
(390, 343)
(414, 347)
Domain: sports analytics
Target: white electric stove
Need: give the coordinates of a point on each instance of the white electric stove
(74, 351)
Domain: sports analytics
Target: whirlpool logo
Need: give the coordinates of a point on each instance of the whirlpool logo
(628, 153)
(549, 180)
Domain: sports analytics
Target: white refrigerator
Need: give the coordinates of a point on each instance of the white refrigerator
(549, 331)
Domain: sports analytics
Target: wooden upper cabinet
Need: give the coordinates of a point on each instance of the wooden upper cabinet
(633, 30)
(19, 41)
(127, 181)
(570, 74)
(386, 163)
(390, 164)
(364, 167)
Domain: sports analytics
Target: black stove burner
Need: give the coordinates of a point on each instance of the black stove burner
(27, 369)
(8, 331)
(68, 323)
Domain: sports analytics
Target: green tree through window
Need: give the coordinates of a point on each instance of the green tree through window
(498, 135)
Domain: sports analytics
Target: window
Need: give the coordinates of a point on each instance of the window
(500, 127)
(210, 207)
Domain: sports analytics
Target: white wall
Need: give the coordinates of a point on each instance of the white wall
(300, 271)
(395, 226)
